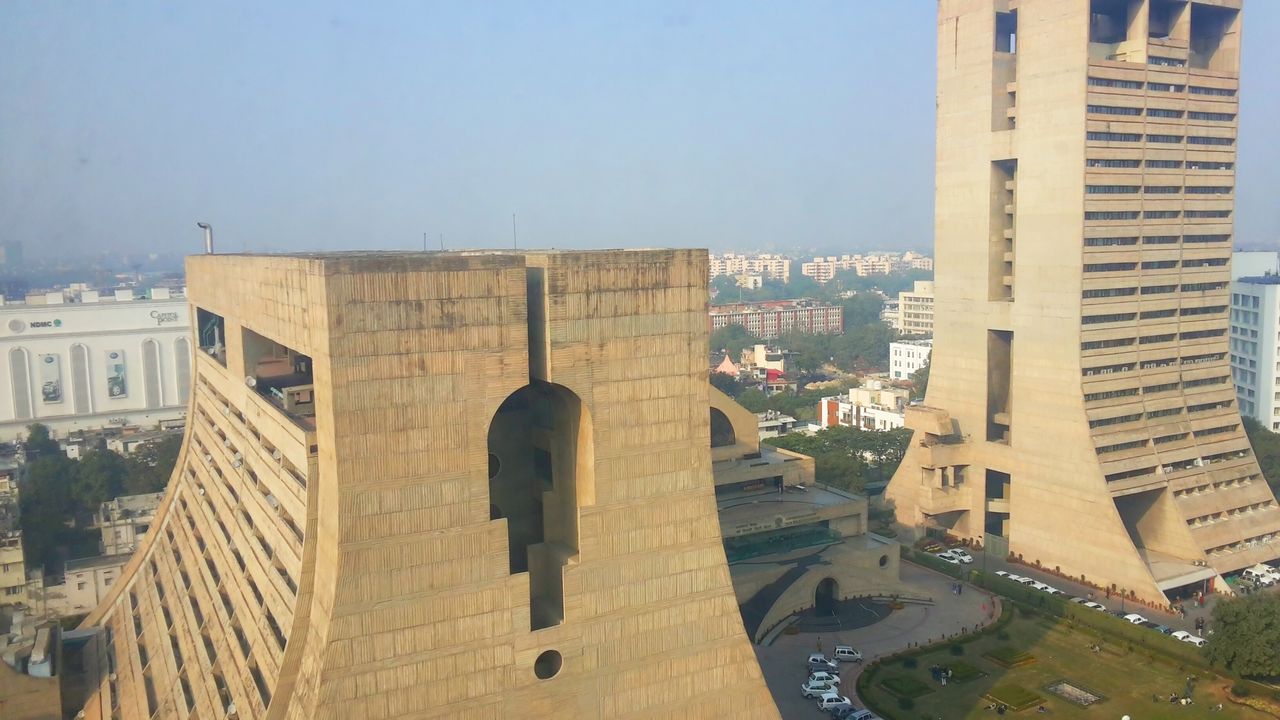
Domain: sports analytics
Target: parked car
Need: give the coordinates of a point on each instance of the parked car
(1024, 580)
(1263, 575)
(1163, 629)
(839, 709)
(1045, 588)
(1094, 605)
(962, 555)
(1009, 576)
(1187, 637)
(846, 653)
(830, 700)
(813, 689)
(823, 676)
(818, 661)
(861, 715)
(1134, 618)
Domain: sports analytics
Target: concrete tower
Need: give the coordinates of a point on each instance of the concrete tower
(1080, 410)
(465, 485)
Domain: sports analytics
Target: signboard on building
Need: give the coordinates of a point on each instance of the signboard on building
(50, 378)
(117, 386)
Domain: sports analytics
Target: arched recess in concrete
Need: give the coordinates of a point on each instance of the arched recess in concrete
(826, 596)
(721, 430)
(542, 470)
(742, 424)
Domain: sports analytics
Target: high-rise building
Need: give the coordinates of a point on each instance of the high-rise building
(1080, 410)
(915, 309)
(437, 485)
(764, 266)
(1255, 347)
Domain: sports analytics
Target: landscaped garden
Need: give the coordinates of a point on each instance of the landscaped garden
(1036, 660)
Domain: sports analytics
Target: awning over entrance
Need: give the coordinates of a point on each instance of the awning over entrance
(1171, 572)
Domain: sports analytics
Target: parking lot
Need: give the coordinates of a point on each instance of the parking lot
(784, 665)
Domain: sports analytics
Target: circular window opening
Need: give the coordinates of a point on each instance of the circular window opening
(494, 466)
(547, 665)
(884, 560)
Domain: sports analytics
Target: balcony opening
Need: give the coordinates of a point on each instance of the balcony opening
(541, 438)
(1215, 38)
(1168, 20)
(1003, 223)
(282, 375)
(997, 524)
(213, 335)
(1007, 32)
(1110, 21)
(997, 485)
(999, 401)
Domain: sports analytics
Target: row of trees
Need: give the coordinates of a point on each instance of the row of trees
(58, 496)
(802, 286)
(849, 458)
(1266, 448)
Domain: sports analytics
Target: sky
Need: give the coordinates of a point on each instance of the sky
(326, 126)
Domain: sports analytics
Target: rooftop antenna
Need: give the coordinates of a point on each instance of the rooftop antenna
(514, 244)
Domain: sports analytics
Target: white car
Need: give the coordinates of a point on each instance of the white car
(832, 699)
(1042, 587)
(1024, 581)
(1187, 637)
(1135, 618)
(818, 661)
(846, 653)
(824, 677)
(962, 555)
(813, 689)
(1094, 605)
(947, 556)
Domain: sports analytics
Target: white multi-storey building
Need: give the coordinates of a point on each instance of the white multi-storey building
(915, 310)
(823, 269)
(908, 356)
(102, 361)
(765, 266)
(874, 407)
(1255, 347)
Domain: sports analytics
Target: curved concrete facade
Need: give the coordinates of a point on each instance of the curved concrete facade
(437, 485)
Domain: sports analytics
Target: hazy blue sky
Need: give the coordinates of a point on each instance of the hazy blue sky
(324, 125)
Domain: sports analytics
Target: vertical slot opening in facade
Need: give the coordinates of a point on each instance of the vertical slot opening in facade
(1169, 20)
(1117, 30)
(999, 402)
(1004, 175)
(282, 375)
(1004, 72)
(212, 331)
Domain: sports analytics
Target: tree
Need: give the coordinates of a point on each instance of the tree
(46, 507)
(1266, 448)
(732, 339)
(920, 382)
(727, 384)
(39, 443)
(151, 465)
(1246, 637)
(98, 476)
(862, 309)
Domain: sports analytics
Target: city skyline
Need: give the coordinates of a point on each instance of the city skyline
(595, 126)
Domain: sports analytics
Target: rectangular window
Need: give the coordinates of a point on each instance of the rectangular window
(1160, 214)
(1209, 189)
(1159, 239)
(1109, 292)
(1113, 137)
(1211, 116)
(1206, 238)
(1107, 369)
(1159, 264)
(1111, 189)
(1114, 420)
(1154, 339)
(1090, 397)
(1162, 189)
(1173, 139)
(1109, 267)
(1114, 110)
(1201, 140)
(1100, 319)
(1122, 446)
(1163, 113)
(1163, 413)
(1197, 334)
(1100, 163)
(1158, 289)
(1152, 314)
(1208, 213)
(1110, 242)
(1165, 61)
(1166, 87)
(1216, 92)
(1101, 344)
(1112, 215)
(999, 371)
(1164, 387)
(1206, 262)
(1108, 82)
(1203, 165)
(1164, 164)
(1200, 287)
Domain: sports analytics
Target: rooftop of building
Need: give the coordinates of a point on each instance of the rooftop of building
(921, 342)
(130, 506)
(771, 305)
(1260, 280)
(95, 562)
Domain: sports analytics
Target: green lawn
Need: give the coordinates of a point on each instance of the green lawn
(1126, 679)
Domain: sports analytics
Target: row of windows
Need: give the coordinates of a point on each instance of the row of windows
(1152, 389)
(1160, 87)
(1153, 364)
(1154, 214)
(1210, 487)
(1157, 164)
(1161, 113)
(1152, 240)
(1121, 446)
(1234, 512)
(1151, 314)
(1157, 189)
(1101, 136)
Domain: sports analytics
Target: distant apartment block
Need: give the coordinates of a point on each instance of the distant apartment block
(1255, 347)
(914, 314)
(13, 575)
(907, 357)
(874, 407)
(765, 266)
(769, 320)
(823, 269)
(125, 520)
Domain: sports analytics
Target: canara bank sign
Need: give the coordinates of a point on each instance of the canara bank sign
(162, 317)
